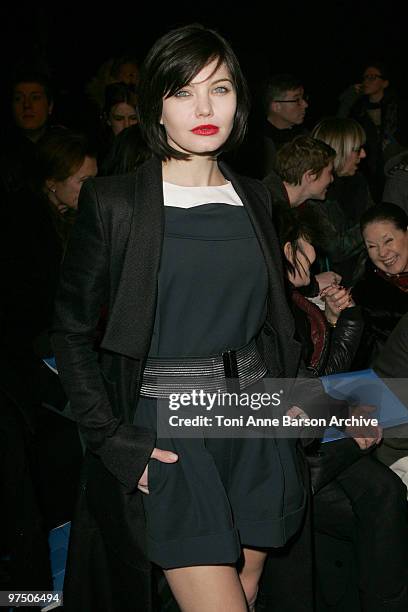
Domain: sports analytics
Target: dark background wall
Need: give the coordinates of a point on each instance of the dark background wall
(327, 44)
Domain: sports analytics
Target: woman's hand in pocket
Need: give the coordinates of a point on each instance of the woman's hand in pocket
(160, 455)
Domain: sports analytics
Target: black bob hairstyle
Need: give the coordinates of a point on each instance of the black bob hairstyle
(173, 61)
(386, 211)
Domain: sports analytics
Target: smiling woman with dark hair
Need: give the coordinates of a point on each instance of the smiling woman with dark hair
(383, 292)
(183, 254)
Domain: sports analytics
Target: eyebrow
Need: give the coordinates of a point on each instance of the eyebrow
(212, 82)
(28, 92)
(384, 237)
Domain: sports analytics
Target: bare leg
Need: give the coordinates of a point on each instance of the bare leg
(251, 572)
(207, 588)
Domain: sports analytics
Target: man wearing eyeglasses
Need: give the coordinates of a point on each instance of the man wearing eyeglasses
(285, 105)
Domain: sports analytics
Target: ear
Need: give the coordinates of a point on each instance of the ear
(386, 84)
(50, 184)
(309, 177)
(287, 249)
(50, 108)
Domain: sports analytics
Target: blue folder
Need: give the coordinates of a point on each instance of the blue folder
(365, 387)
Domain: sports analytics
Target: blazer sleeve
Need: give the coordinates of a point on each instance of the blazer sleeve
(84, 287)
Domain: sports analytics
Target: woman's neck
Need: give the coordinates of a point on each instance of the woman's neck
(196, 172)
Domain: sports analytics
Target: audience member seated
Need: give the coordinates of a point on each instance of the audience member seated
(347, 198)
(396, 176)
(42, 449)
(121, 69)
(383, 291)
(376, 107)
(304, 170)
(279, 121)
(392, 363)
(120, 112)
(127, 152)
(355, 497)
(65, 160)
(32, 105)
(34, 235)
(285, 107)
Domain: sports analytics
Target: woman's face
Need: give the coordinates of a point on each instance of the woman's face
(199, 118)
(387, 246)
(352, 161)
(65, 194)
(122, 116)
(302, 261)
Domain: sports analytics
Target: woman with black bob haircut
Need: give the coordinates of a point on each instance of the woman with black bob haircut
(183, 256)
(170, 66)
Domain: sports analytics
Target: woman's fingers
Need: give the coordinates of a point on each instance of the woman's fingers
(337, 298)
(326, 279)
(143, 484)
(164, 456)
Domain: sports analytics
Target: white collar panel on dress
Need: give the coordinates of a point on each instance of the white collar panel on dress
(188, 197)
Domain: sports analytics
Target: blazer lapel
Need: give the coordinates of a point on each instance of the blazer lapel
(132, 315)
(263, 226)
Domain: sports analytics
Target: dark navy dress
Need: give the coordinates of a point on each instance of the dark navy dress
(221, 494)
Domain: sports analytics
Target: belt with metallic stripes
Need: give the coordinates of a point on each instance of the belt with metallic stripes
(232, 370)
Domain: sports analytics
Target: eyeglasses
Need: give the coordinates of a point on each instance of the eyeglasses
(298, 101)
(372, 77)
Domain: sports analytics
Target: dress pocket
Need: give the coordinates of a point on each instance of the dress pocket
(153, 475)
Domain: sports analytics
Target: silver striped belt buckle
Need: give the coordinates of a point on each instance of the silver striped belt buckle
(231, 371)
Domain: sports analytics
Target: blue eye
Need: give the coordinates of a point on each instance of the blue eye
(181, 94)
(221, 89)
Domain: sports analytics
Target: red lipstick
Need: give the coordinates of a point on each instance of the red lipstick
(206, 130)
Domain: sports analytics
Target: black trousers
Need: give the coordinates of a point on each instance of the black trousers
(366, 504)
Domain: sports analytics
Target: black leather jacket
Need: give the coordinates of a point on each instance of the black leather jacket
(326, 350)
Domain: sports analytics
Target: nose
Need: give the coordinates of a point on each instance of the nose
(126, 122)
(382, 250)
(304, 103)
(27, 102)
(203, 105)
(363, 154)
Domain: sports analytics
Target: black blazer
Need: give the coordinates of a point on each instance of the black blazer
(113, 260)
